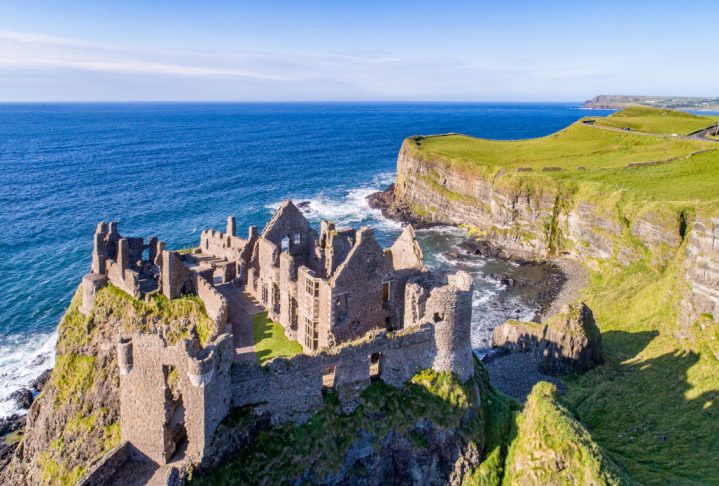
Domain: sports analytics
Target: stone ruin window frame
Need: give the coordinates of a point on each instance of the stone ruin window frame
(386, 291)
(375, 365)
(312, 287)
(311, 333)
(329, 377)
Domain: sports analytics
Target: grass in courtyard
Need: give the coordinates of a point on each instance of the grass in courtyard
(270, 339)
(656, 120)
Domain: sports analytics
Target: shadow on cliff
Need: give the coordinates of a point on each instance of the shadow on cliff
(653, 406)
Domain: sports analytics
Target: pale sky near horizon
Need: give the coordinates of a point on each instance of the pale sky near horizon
(356, 51)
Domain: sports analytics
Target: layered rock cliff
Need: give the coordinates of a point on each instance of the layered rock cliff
(527, 214)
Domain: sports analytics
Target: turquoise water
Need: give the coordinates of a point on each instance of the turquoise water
(174, 169)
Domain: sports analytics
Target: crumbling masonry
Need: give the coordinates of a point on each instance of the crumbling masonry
(360, 312)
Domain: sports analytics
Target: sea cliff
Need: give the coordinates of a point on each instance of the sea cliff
(641, 213)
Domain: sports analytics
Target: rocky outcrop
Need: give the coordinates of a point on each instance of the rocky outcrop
(75, 418)
(568, 341)
(701, 274)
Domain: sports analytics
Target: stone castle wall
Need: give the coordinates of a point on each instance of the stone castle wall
(215, 303)
(291, 388)
(168, 393)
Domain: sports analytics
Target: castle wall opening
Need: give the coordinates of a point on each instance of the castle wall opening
(375, 367)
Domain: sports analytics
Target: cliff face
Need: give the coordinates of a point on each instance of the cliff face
(74, 421)
(528, 215)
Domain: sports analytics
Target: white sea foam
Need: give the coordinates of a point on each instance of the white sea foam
(350, 208)
(22, 359)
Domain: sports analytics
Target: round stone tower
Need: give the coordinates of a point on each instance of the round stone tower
(450, 308)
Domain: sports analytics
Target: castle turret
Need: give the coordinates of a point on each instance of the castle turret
(231, 226)
(450, 308)
(91, 283)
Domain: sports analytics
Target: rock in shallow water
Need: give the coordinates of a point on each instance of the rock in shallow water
(22, 398)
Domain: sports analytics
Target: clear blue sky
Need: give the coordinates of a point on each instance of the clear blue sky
(356, 50)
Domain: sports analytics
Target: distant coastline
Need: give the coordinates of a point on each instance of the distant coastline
(616, 102)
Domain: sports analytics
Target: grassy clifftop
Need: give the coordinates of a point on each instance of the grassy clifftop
(553, 447)
(660, 168)
(626, 205)
(656, 120)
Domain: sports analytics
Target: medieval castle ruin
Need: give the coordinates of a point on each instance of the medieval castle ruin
(359, 311)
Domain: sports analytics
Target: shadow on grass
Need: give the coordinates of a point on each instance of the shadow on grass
(653, 407)
(270, 340)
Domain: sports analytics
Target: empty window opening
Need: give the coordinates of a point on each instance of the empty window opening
(276, 298)
(297, 239)
(311, 334)
(293, 313)
(438, 317)
(375, 365)
(386, 287)
(175, 429)
(285, 244)
(341, 306)
(328, 377)
(312, 287)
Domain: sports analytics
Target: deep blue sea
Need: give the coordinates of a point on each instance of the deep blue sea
(172, 170)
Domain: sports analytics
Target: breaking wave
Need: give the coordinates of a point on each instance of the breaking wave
(22, 359)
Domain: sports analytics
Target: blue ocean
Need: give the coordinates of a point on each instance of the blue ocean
(172, 170)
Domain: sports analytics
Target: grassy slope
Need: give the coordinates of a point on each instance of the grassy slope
(655, 120)
(270, 339)
(552, 447)
(653, 405)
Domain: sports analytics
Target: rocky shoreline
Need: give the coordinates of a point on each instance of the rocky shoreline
(13, 426)
(512, 373)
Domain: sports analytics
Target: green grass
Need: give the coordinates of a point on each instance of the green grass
(656, 120)
(695, 179)
(653, 405)
(553, 447)
(270, 339)
(13, 437)
(576, 146)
